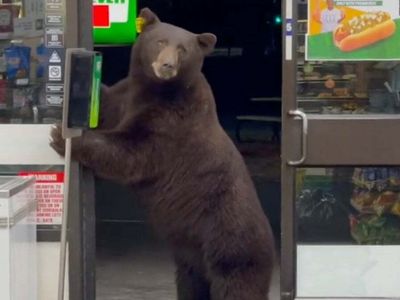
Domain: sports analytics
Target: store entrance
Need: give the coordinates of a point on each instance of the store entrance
(245, 75)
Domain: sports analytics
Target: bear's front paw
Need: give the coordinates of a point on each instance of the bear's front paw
(57, 142)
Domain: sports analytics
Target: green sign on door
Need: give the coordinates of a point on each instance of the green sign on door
(114, 22)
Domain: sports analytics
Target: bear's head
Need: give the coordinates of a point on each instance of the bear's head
(166, 53)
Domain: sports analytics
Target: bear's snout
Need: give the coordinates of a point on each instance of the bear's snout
(166, 65)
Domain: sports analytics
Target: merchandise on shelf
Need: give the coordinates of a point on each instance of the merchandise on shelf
(41, 52)
(7, 14)
(377, 199)
(18, 60)
(3, 94)
(377, 178)
(375, 230)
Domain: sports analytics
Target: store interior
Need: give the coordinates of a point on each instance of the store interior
(133, 263)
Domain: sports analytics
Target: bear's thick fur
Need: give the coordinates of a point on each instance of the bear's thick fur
(160, 134)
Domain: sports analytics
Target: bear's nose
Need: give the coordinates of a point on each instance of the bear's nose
(167, 66)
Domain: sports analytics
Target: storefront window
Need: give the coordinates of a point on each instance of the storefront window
(31, 55)
(340, 85)
(348, 232)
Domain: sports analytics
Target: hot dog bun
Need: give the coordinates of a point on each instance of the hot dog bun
(347, 40)
(367, 37)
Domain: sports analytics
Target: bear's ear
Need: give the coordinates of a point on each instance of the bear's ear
(148, 17)
(207, 42)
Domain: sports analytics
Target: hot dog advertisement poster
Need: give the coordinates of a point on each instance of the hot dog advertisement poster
(353, 30)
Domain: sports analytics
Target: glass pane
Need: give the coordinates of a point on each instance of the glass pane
(344, 87)
(348, 232)
(30, 91)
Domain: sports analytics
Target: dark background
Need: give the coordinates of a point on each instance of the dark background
(248, 25)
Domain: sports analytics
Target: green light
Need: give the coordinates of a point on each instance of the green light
(278, 20)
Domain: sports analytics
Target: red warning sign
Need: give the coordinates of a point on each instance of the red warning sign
(49, 188)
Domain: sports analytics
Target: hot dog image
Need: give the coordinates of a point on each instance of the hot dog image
(363, 31)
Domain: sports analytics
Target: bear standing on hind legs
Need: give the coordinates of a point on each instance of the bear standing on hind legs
(160, 134)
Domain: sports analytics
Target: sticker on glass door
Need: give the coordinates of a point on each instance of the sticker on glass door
(353, 30)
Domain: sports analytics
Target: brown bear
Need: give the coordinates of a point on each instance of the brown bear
(160, 134)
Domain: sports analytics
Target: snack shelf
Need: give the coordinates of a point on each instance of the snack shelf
(303, 62)
(30, 114)
(360, 209)
(334, 106)
(6, 36)
(345, 211)
(323, 80)
(11, 85)
(392, 208)
(319, 64)
(9, 36)
(331, 99)
(376, 200)
(25, 104)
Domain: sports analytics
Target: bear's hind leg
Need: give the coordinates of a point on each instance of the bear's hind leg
(239, 286)
(191, 285)
(238, 269)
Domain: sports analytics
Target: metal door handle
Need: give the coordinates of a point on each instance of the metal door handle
(303, 117)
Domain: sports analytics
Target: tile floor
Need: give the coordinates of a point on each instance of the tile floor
(139, 268)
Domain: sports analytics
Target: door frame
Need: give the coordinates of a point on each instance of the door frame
(82, 217)
(288, 249)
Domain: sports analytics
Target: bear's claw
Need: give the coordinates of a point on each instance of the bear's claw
(57, 142)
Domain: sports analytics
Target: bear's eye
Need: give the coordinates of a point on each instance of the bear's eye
(162, 43)
(181, 50)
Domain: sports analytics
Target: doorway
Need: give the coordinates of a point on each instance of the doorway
(245, 74)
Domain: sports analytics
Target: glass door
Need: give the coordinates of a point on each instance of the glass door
(340, 157)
